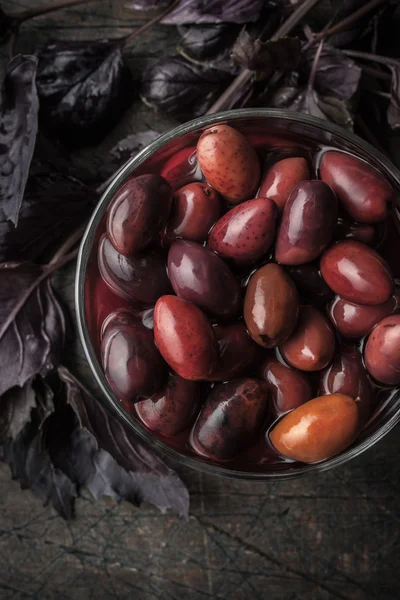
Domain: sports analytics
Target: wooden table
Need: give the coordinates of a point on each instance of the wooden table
(335, 536)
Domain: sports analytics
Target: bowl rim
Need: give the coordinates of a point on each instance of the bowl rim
(85, 248)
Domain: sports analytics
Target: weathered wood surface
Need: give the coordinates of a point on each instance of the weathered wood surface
(335, 536)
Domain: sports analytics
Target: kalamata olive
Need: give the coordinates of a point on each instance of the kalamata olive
(356, 231)
(312, 344)
(132, 364)
(347, 375)
(357, 320)
(289, 388)
(236, 351)
(140, 278)
(185, 338)
(308, 223)
(182, 168)
(173, 409)
(230, 419)
(382, 351)
(138, 212)
(271, 306)
(246, 232)
(229, 163)
(357, 273)
(310, 284)
(361, 189)
(200, 276)
(318, 429)
(281, 178)
(195, 208)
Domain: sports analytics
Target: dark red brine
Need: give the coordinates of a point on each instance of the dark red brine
(242, 297)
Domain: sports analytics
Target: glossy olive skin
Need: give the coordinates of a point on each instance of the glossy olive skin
(317, 430)
(347, 375)
(185, 338)
(173, 409)
(382, 351)
(200, 276)
(140, 278)
(364, 233)
(246, 232)
(357, 273)
(312, 344)
(229, 163)
(236, 351)
(308, 223)
(271, 306)
(138, 212)
(282, 177)
(289, 388)
(195, 208)
(231, 418)
(132, 364)
(361, 189)
(354, 321)
(310, 284)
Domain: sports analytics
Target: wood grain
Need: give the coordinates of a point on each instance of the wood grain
(335, 536)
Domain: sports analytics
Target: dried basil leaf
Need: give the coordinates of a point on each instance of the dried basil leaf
(265, 57)
(54, 205)
(31, 465)
(84, 87)
(173, 85)
(393, 112)
(130, 470)
(199, 12)
(336, 74)
(32, 328)
(19, 123)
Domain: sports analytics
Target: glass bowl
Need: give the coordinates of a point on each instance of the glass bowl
(255, 123)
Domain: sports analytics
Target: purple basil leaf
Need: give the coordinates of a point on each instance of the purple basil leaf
(173, 85)
(336, 74)
(265, 57)
(54, 205)
(209, 45)
(15, 410)
(128, 147)
(7, 26)
(84, 87)
(333, 11)
(19, 123)
(142, 475)
(32, 329)
(200, 11)
(309, 102)
(393, 113)
(30, 462)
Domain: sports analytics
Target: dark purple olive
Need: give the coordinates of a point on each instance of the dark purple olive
(141, 278)
(231, 418)
(357, 320)
(347, 375)
(200, 276)
(308, 223)
(236, 351)
(132, 364)
(310, 283)
(173, 409)
(138, 212)
(246, 232)
(195, 208)
(382, 351)
(363, 191)
(312, 344)
(357, 273)
(289, 388)
(360, 232)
